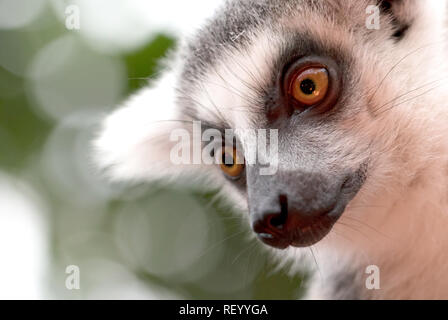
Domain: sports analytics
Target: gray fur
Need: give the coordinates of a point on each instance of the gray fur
(232, 24)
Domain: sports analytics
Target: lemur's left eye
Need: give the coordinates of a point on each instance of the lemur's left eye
(232, 164)
(311, 83)
(310, 86)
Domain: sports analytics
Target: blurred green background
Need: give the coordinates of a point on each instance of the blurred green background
(140, 241)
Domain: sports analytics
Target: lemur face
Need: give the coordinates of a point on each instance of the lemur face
(346, 102)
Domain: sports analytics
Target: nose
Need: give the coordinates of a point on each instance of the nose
(292, 226)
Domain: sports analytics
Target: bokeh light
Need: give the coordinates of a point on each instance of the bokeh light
(19, 13)
(130, 241)
(23, 241)
(66, 76)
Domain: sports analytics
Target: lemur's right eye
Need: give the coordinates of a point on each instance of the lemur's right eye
(232, 164)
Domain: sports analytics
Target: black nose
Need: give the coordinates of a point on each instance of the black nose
(290, 226)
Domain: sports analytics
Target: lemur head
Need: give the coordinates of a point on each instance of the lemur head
(351, 105)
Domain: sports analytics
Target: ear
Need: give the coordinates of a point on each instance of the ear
(405, 13)
(134, 141)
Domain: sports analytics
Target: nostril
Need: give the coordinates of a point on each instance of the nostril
(278, 220)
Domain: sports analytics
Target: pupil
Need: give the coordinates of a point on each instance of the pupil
(227, 160)
(307, 86)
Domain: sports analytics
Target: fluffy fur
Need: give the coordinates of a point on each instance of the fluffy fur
(392, 114)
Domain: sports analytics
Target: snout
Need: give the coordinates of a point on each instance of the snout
(302, 211)
(296, 227)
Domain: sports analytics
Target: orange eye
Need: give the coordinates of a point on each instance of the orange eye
(310, 86)
(231, 163)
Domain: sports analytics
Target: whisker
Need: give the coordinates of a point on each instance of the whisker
(251, 246)
(315, 261)
(407, 93)
(370, 227)
(251, 99)
(354, 229)
(248, 264)
(398, 63)
(218, 111)
(220, 243)
(410, 99)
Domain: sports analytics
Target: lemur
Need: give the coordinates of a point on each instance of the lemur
(361, 118)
